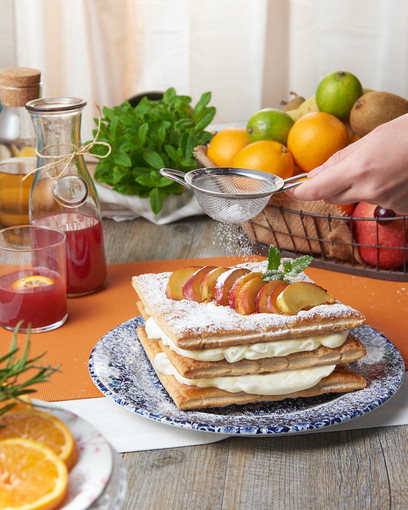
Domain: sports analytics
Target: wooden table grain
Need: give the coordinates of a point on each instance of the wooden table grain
(353, 470)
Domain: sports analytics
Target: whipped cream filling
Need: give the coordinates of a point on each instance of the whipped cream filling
(278, 383)
(251, 352)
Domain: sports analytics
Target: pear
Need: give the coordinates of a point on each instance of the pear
(308, 106)
(293, 103)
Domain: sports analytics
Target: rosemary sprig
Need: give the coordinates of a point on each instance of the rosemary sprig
(12, 367)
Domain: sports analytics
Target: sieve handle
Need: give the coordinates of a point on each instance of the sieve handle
(174, 175)
(290, 184)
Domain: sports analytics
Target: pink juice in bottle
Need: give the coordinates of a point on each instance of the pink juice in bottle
(86, 265)
(37, 296)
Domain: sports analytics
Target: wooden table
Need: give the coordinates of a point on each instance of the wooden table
(353, 470)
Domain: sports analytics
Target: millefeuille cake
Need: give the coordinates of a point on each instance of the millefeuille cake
(232, 335)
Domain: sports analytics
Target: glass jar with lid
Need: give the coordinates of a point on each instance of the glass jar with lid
(17, 142)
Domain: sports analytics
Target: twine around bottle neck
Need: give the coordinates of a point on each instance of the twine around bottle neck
(65, 160)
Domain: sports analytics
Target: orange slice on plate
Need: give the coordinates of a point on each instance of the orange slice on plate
(29, 282)
(32, 476)
(42, 427)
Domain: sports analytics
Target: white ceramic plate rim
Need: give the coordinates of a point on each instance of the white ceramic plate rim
(91, 474)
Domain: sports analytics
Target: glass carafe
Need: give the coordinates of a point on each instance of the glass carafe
(63, 194)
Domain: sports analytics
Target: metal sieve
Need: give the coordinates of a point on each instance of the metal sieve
(231, 195)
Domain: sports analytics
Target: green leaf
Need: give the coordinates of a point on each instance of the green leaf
(274, 258)
(202, 103)
(144, 180)
(299, 265)
(153, 159)
(171, 152)
(164, 182)
(156, 200)
(142, 132)
(182, 124)
(122, 159)
(208, 117)
(272, 274)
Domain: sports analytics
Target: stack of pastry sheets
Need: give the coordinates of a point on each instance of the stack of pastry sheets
(207, 355)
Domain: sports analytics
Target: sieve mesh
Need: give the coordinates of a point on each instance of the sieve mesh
(230, 195)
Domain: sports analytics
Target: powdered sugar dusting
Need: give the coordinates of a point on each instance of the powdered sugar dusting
(186, 319)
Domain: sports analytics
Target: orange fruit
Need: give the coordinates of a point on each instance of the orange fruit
(225, 144)
(266, 156)
(42, 427)
(23, 402)
(346, 208)
(32, 476)
(315, 137)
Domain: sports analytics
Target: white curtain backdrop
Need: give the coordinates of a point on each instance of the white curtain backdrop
(248, 53)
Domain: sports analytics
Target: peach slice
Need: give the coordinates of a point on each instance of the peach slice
(191, 289)
(302, 295)
(246, 296)
(208, 282)
(174, 288)
(271, 301)
(237, 286)
(225, 282)
(263, 295)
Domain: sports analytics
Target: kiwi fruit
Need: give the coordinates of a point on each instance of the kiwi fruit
(375, 108)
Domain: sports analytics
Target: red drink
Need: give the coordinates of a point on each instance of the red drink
(43, 305)
(86, 266)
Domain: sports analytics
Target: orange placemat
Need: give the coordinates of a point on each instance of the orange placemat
(90, 317)
(385, 305)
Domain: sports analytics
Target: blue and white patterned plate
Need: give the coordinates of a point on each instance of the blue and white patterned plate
(121, 370)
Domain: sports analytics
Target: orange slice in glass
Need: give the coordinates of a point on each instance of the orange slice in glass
(29, 282)
(33, 477)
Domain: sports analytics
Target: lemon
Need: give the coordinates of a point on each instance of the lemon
(29, 282)
(269, 124)
(27, 152)
(4, 152)
(337, 92)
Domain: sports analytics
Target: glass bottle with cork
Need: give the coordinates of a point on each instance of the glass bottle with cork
(63, 194)
(17, 142)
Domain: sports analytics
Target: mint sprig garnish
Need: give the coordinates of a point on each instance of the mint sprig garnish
(290, 268)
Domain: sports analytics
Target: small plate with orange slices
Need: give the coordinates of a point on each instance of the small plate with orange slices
(96, 476)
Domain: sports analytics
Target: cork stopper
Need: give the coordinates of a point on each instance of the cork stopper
(19, 85)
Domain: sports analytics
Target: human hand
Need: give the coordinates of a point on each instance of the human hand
(373, 169)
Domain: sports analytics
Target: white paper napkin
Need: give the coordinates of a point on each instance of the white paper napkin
(120, 207)
(129, 432)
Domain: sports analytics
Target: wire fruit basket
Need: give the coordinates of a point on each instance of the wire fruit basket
(321, 230)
